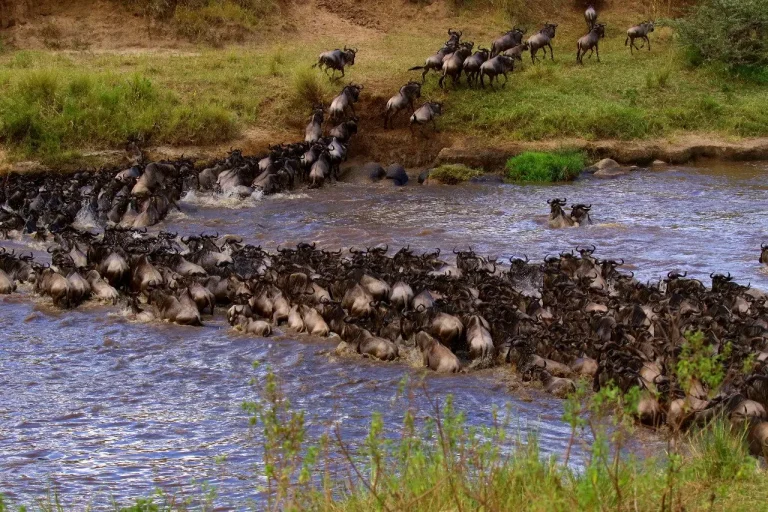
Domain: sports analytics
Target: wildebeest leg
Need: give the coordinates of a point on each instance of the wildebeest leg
(440, 82)
(342, 72)
(578, 55)
(490, 81)
(533, 59)
(631, 43)
(506, 79)
(591, 51)
(434, 125)
(482, 80)
(597, 51)
(649, 43)
(551, 52)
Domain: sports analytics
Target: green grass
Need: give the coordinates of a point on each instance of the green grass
(211, 95)
(47, 112)
(537, 167)
(453, 174)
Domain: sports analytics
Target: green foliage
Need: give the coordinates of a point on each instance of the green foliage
(536, 167)
(731, 32)
(453, 174)
(699, 362)
(47, 113)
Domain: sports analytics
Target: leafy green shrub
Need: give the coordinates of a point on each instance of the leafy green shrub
(453, 174)
(533, 166)
(730, 32)
(698, 361)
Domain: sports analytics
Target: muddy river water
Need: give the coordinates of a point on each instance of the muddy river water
(93, 406)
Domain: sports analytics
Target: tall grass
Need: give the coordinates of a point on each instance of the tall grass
(46, 112)
(537, 167)
(436, 462)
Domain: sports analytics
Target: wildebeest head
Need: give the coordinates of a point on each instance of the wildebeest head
(556, 206)
(764, 254)
(349, 55)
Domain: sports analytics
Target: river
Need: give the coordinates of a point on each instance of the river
(95, 407)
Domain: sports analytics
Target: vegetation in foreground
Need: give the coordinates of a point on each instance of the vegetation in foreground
(53, 102)
(440, 463)
(539, 167)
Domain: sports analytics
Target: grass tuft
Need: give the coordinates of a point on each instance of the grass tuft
(453, 174)
(536, 167)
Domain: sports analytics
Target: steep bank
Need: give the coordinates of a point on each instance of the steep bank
(194, 98)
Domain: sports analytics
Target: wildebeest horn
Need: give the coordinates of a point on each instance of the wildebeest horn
(764, 246)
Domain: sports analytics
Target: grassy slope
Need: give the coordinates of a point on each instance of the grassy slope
(212, 95)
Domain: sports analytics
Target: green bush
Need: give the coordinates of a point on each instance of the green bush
(533, 166)
(453, 174)
(730, 32)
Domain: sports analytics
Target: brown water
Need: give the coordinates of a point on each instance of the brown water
(94, 406)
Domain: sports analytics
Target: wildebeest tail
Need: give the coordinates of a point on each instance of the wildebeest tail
(415, 68)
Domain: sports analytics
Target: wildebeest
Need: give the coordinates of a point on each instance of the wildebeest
(472, 64)
(557, 216)
(344, 102)
(435, 355)
(314, 129)
(517, 51)
(499, 65)
(580, 214)
(404, 98)
(764, 254)
(543, 39)
(454, 64)
(426, 113)
(590, 15)
(509, 40)
(590, 42)
(640, 31)
(336, 60)
(435, 62)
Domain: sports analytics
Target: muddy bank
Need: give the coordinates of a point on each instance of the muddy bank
(680, 151)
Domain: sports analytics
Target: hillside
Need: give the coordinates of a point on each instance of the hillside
(85, 76)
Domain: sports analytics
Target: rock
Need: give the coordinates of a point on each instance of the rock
(374, 171)
(657, 163)
(611, 172)
(423, 175)
(606, 163)
(396, 173)
(592, 169)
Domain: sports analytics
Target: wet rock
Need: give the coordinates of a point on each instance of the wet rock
(424, 175)
(612, 172)
(397, 174)
(374, 171)
(606, 163)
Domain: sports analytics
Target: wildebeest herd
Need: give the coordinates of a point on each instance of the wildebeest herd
(456, 57)
(572, 316)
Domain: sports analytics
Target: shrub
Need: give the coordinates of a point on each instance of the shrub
(533, 166)
(453, 174)
(731, 32)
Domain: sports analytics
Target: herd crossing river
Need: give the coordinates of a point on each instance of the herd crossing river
(96, 405)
